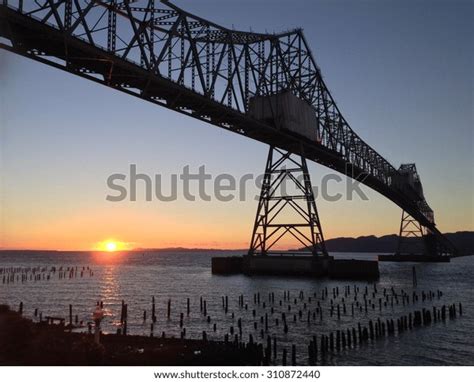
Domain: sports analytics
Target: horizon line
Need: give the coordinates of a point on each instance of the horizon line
(138, 249)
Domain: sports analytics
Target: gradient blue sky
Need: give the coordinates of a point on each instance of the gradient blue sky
(400, 71)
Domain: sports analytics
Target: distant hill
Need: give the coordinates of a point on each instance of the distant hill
(464, 242)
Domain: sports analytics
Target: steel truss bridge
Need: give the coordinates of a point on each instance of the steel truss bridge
(162, 54)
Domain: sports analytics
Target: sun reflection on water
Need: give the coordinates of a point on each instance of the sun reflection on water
(110, 290)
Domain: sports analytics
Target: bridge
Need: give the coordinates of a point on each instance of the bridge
(249, 83)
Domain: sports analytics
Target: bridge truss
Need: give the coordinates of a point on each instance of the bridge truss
(162, 54)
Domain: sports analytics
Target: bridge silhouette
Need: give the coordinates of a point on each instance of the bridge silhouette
(249, 83)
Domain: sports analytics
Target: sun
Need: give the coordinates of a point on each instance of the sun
(111, 246)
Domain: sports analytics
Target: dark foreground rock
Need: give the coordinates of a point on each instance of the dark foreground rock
(23, 342)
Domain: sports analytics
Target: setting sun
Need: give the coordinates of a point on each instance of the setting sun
(111, 246)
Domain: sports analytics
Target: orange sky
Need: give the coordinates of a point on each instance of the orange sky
(181, 224)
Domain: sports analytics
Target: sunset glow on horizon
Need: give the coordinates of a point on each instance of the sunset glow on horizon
(111, 245)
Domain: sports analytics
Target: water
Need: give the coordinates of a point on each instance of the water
(135, 277)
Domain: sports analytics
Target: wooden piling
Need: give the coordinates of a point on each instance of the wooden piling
(153, 309)
(274, 347)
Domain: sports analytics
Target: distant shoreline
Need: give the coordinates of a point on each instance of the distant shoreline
(463, 240)
(140, 250)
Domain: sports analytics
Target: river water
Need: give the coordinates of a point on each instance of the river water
(135, 277)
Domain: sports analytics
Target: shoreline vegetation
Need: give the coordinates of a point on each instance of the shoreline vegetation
(463, 240)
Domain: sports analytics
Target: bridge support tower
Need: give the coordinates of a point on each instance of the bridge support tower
(416, 239)
(410, 238)
(283, 212)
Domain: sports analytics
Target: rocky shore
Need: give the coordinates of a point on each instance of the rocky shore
(24, 342)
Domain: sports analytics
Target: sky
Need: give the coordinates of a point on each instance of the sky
(400, 71)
